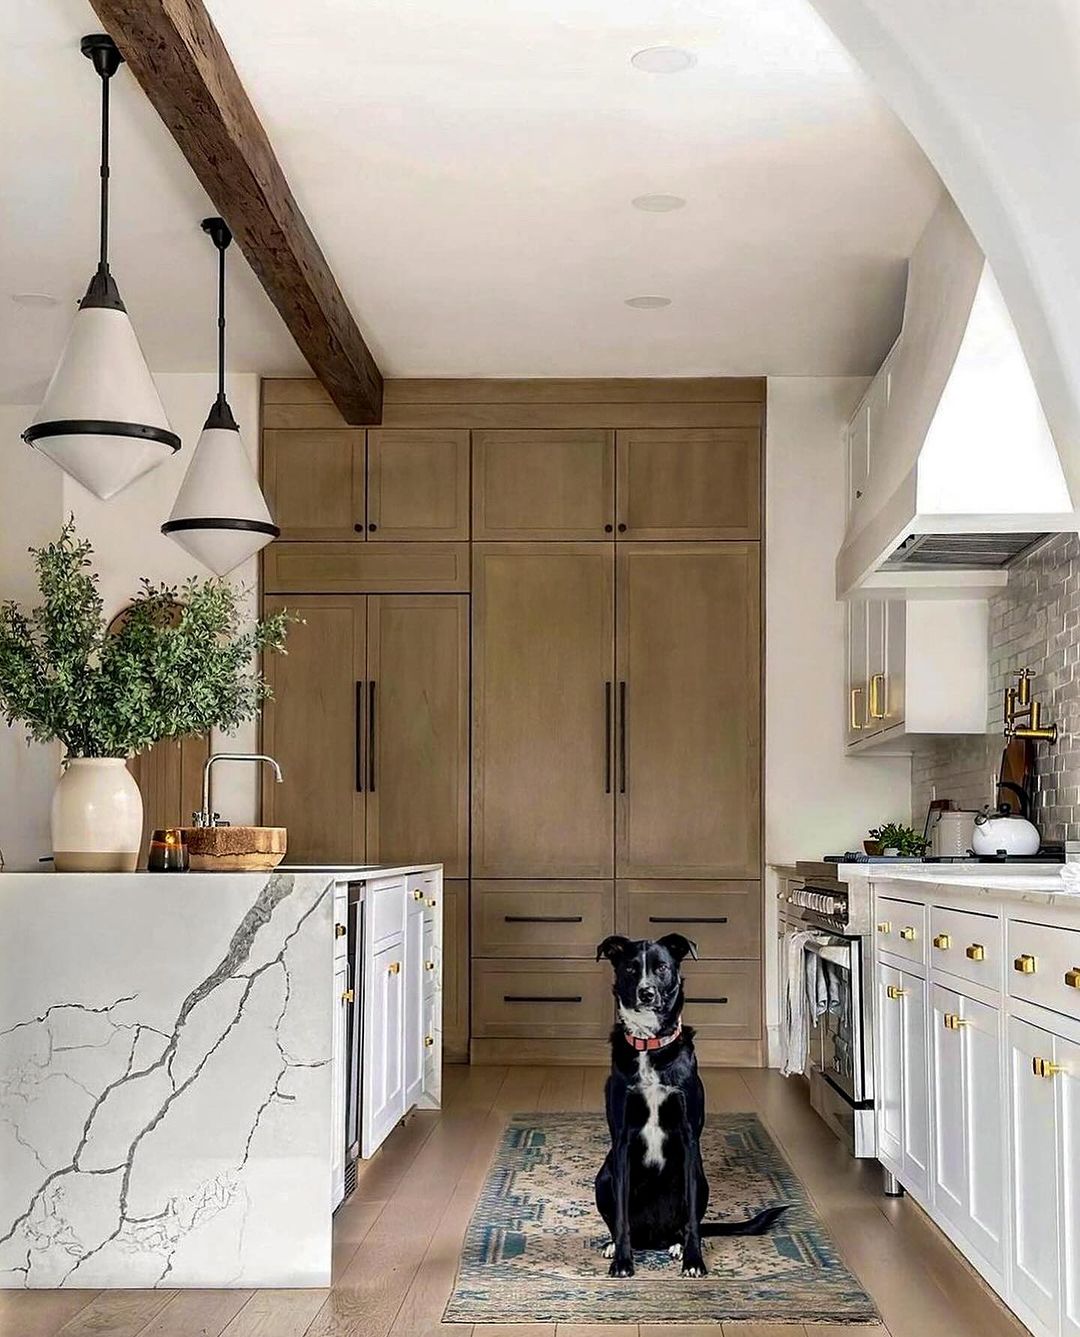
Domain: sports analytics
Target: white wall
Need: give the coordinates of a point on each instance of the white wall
(125, 532)
(817, 799)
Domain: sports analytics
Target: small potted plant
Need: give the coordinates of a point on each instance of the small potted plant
(177, 662)
(895, 839)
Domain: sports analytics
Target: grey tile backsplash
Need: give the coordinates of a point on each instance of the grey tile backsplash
(1035, 624)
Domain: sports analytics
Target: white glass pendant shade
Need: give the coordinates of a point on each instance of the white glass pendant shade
(220, 516)
(102, 420)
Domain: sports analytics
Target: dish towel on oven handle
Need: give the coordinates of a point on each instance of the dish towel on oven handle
(811, 991)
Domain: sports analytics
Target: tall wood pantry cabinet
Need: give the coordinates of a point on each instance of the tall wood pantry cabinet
(530, 649)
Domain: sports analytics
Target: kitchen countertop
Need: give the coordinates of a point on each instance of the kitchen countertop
(1041, 883)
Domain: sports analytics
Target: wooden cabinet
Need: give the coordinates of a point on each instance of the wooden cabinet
(968, 1094)
(329, 483)
(417, 485)
(455, 971)
(315, 482)
(311, 725)
(688, 711)
(722, 919)
(417, 721)
(564, 918)
(368, 720)
(542, 710)
(544, 484)
(689, 483)
(903, 1077)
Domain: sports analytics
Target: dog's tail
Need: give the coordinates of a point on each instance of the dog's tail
(753, 1225)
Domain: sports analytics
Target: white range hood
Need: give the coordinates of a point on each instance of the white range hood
(963, 475)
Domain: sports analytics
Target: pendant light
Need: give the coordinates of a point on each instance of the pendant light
(220, 515)
(102, 420)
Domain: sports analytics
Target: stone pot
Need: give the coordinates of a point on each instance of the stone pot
(97, 817)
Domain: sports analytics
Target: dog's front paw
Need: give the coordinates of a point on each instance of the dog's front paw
(675, 1251)
(622, 1265)
(693, 1264)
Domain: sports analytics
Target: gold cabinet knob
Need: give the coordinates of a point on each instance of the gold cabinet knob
(431, 903)
(1024, 964)
(942, 942)
(1072, 977)
(429, 965)
(1043, 1067)
(886, 927)
(908, 934)
(976, 952)
(340, 930)
(891, 991)
(348, 996)
(418, 895)
(953, 1022)
(429, 1040)
(394, 968)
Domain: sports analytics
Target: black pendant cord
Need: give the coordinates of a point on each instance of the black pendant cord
(103, 250)
(220, 414)
(221, 325)
(102, 51)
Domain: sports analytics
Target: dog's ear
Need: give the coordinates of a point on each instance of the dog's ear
(678, 946)
(614, 948)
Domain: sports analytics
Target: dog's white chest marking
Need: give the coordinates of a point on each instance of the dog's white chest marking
(654, 1093)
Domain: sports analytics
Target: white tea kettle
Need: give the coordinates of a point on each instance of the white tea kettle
(1002, 832)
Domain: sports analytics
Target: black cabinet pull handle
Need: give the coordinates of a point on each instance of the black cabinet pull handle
(622, 737)
(358, 730)
(542, 919)
(541, 998)
(706, 1000)
(371, 736)
(607, 738)
(675, 919)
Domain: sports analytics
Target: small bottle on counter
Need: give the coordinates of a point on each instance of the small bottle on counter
(168, 851)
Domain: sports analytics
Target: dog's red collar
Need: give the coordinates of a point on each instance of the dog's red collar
(643, 1046)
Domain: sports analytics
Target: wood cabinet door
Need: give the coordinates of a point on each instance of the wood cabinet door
(416, 720)
(688, 711)
(1034, 1265)
(689, 483)
(544, 484)
(542, 710)
(455, 972)
(417, 484)
(314, 482)
(313, 725)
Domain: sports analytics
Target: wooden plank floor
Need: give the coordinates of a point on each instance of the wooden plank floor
(397, 1240)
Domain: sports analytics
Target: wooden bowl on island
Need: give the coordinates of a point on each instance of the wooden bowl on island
(235, 849)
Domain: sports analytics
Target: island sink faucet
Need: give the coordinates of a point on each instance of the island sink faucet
(206, 815)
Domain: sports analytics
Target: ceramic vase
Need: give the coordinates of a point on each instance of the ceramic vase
(97, 817)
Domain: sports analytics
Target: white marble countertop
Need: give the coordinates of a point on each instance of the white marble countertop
(1000, 879)
(335, 870)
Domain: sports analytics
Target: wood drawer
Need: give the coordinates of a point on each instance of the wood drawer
(723, 1002)
(541, 918)
(542, 998)
(366, 568)
(966, 944)
(723, 919)
(900, 928)
(1053, 957)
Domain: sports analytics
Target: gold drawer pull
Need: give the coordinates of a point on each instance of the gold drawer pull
(429, 965)
(856, 693)
(976, 952)
(348, 996)
(394, 968)
(1072, 977)
(877, 697)
(429, 1040)
(943, 942)
(1043, 1067)
(886, 927)
(891, 991)
(1024, 964)
(908, 934)
(418, 895)
(953, 1022)
(340, 930)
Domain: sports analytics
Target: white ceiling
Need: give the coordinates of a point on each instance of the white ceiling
(468, 170)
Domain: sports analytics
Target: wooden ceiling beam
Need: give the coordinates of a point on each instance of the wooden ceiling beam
(178, 57)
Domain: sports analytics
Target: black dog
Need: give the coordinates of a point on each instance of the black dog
(651, 1189)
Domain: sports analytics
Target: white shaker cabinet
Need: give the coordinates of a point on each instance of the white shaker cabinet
(339, 1093)
(903, 1076)
(414, 997)
(384, 1045)
(968, 1120)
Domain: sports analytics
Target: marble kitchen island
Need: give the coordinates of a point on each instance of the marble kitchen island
(167, 1098)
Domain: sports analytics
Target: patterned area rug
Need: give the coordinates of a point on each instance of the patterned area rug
(532, 1253)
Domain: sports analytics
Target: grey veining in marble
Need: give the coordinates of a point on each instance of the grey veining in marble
(165, 1080)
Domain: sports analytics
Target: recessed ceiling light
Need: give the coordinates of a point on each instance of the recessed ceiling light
(663, 59)
(658, 204)
(648, 303)
(34, 299)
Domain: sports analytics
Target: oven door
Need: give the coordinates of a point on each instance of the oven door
(836, 1038)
